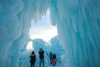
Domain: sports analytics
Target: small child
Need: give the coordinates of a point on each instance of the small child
(54, 59)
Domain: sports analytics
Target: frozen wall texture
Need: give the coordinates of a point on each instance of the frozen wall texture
(37, 44)
(13, 30)
(15, 17)
(56, 48)
(78, 23)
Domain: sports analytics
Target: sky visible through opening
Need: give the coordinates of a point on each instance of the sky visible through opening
(42, 29)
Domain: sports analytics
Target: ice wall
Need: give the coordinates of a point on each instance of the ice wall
(56, 48)
(78, 23)
(13, 30)
(15, 17)
(37, 44)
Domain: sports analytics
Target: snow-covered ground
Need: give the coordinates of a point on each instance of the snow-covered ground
(25, 61)
(47, 64)
(37, 65)
(57, 65)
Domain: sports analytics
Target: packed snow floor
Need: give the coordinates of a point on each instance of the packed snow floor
(46, 65)
(57, 65)
(49, 65)
(26, 63)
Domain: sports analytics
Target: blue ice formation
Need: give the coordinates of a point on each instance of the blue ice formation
(37, 44)
(78, 24)
(56, 48)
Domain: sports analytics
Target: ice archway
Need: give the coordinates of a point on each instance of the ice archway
(78, 23)
(43, 28)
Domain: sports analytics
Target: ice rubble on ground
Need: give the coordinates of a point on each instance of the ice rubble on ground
(78, 23)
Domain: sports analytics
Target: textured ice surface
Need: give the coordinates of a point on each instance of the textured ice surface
(78, 23)
(56, 48)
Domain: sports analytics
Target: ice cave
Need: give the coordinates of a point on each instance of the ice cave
(77, 36)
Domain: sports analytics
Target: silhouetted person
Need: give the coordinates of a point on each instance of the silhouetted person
(54, 59)
(41, 56)
(32, 58)
(51, 56)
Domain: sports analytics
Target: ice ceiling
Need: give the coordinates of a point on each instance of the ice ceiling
(78, 25)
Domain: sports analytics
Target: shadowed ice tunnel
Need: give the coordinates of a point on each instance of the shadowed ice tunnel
(77, 21)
